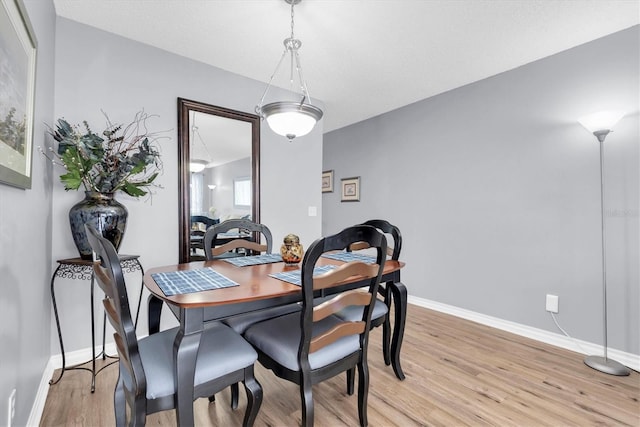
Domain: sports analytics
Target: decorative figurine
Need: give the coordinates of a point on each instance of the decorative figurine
(291, 250)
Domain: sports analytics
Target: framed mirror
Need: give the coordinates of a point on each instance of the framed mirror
(218, 171)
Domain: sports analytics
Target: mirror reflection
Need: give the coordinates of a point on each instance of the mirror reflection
(219, 164)
(220, 167)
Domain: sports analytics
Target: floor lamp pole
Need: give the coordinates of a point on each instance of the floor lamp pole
(604, 364)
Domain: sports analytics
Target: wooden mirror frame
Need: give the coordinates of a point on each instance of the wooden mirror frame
(184, 193)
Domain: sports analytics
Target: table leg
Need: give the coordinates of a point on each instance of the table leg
(400, 307)
(154, 311)
(135, 325)
(185, 351)
(55, 312)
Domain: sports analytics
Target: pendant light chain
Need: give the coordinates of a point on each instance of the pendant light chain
(298, 118)
(292, 21)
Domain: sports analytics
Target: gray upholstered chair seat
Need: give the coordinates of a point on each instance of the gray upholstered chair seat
(354, 313)
(276, 338)
(241, 322)
(214, 359)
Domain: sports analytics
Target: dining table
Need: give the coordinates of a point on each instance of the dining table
(254, 287)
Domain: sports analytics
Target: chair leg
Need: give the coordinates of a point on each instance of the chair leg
(363, 391)
(386, 328)
(120, 403)
(235, 392)
(254, 396)
(351, 379)
(138, 413)
(306, 397)
(400, 307)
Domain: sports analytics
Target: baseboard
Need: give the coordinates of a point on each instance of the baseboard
(55, 362)
(41, 395)
(628, 359)
(81, 356)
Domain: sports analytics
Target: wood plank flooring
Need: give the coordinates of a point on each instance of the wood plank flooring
(458, 373)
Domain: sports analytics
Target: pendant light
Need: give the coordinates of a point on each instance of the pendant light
(290, 118)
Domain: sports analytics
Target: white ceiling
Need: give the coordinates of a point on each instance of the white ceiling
(362, 57)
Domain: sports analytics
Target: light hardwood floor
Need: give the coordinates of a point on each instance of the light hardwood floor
(458, 373)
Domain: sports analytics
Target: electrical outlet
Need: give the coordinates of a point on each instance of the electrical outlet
(11, 409)
(552, 303)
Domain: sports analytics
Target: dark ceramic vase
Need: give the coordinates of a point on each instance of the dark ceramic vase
(102, 211)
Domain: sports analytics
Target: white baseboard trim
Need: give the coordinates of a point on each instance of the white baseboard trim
(41, 396)
(628, 359)
(55, 362)
(81, 356)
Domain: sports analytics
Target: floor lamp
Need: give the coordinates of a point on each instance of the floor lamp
(600, 125)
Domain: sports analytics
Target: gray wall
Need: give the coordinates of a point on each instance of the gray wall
(496, 189)
(90, 70)
(25, 247)
(222, 196)
(96, 70)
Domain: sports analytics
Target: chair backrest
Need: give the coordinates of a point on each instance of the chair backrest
(108, 275)
(246, 228)
(204, 220)
(312, 285)
(387, 228)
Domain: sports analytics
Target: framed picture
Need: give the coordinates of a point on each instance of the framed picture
(17, 88)
(351, 189)
(327, 182)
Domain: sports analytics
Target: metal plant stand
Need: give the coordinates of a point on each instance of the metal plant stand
(80, 269)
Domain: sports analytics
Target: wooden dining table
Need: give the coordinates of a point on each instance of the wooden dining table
(256, 290)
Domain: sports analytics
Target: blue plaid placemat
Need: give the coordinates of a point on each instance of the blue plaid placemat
(350, 256)
(293, 276)
(188, 281)
(243, 261)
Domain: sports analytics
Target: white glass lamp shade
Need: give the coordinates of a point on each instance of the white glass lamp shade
(603, 120)
(291, 119)
(196, 166)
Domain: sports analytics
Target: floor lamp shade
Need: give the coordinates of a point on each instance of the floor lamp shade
(601, 121)
(600, 124)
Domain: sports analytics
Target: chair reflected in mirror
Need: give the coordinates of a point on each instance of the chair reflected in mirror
(199, 226)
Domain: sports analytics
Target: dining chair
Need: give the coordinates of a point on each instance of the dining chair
(382, 308)
(146, 380)
(239, 323)
(245, 238)
(313, 344)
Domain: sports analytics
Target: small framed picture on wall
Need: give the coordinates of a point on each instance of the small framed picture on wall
(327, 181)
(351, 189)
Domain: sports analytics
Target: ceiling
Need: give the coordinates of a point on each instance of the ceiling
(362, 58)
